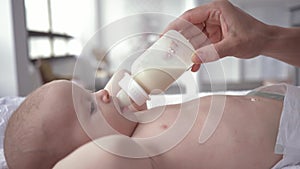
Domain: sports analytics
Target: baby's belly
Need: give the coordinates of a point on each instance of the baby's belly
(244, 138)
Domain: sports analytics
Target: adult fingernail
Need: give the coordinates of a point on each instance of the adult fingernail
(196, 59)
(195, 67)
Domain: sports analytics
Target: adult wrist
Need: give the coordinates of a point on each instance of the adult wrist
(270, 33)
(273, 40)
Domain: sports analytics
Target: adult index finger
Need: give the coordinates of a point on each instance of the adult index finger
(193, 16)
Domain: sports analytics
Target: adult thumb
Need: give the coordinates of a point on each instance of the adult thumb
(211, 52)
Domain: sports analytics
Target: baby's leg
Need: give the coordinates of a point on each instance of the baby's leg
(92, 156)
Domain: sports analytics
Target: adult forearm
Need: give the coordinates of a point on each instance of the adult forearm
(283, 44)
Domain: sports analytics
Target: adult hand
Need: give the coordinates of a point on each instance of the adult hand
(229, 31)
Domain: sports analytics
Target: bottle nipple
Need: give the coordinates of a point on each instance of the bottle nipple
(123, 99)
(131, 90)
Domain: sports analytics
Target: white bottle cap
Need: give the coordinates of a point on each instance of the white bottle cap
(123, 98)
(133, 90)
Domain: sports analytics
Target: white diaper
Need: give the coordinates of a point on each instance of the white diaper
(288, 138)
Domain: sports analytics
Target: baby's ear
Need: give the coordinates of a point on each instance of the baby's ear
(113, 84)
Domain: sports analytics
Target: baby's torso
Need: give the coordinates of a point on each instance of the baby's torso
(244, 138)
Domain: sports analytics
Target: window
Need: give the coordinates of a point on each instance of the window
(50, 32)
(295, 16)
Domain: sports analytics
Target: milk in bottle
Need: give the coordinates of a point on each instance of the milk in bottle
(156, 69)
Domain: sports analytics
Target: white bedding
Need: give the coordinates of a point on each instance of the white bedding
(292, 167)
(9, 104)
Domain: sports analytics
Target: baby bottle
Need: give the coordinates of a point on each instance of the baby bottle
(156, 69)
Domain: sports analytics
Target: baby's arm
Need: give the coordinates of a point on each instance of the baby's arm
(93, 157)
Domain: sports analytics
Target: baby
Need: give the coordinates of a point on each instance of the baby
(48, 128)
(45, 127)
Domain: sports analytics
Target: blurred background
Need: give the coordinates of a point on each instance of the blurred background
(40, 41)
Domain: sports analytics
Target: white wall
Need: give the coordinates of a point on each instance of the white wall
(18, 77)
(8, 79)
(27, 76)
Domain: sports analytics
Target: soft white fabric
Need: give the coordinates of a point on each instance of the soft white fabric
(288, 138)
(7, 106)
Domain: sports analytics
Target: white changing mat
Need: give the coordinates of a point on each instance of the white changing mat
(7, 106)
